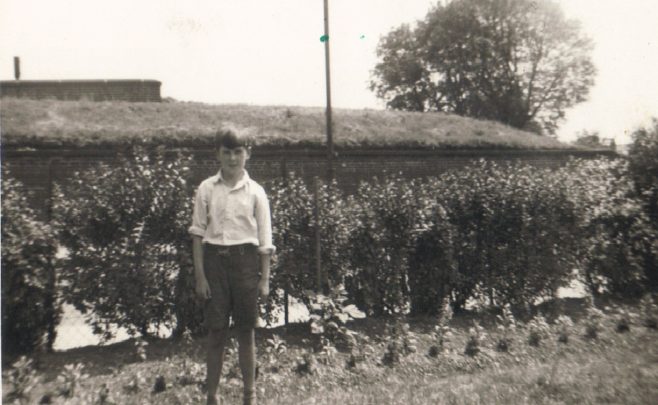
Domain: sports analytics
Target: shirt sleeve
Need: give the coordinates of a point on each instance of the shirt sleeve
(264, 221)
(199, 214)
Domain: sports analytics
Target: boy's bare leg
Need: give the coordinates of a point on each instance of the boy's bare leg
(247, 360)
(215, 361)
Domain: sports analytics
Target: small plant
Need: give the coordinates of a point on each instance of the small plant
(476, 336)
(306, 364)
(563, 325)
(140, 349)
(160, 384)
(592, 320)
(538, 330)
(329, 314)
(20, 381)
(70, 379)
(623, 319)
(400, 343)
(649, 312)
(274, 347)
(507, 327)
(442, 332)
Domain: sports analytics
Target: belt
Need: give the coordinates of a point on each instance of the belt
(233, 250)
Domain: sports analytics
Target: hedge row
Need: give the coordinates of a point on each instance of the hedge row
(490, 233)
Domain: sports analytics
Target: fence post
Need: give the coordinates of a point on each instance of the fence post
(286, 285)
(318, 248)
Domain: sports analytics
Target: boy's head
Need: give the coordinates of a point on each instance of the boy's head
(233, 151)
(231, 139)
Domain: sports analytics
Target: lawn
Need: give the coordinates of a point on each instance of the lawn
(615, 367)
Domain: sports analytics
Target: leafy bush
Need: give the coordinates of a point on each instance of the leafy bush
(618, 244)
(30, 306)
(513, 232)
(432, 268)
(129, 251)
(380, 243)
(294, 232)
(643, 167)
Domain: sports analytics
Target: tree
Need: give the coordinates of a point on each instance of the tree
(520, 62)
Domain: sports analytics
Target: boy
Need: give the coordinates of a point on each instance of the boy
(232, 245)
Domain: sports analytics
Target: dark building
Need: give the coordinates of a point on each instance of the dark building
(93, 90)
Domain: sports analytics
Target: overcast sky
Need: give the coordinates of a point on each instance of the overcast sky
(269, 52)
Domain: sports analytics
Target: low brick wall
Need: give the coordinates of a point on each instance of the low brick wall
(94, 90)
(39, 170)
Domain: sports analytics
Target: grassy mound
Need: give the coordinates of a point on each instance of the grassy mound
(50, 123)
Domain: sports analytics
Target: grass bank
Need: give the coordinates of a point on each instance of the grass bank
(51, 123)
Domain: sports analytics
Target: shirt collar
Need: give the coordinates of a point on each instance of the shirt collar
(243, 181)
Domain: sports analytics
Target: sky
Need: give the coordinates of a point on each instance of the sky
(269, 52)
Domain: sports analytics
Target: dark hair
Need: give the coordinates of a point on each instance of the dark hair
(231, 139)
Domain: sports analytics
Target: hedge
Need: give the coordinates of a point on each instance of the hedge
(30, 304)
(489, 234)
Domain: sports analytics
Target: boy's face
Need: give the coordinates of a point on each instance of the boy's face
(233, 160)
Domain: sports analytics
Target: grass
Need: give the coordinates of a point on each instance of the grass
(615, 368)
(50, 123)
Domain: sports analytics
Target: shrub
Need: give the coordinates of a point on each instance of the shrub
(30, 305)
(432, 268)
(616, 235)
(512, 232)
(643, 167)
(129, 250)
(382, 237)
(294, 232)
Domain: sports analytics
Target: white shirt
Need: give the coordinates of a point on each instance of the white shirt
(232, 216)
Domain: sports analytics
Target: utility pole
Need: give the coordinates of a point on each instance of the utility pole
(330, 141)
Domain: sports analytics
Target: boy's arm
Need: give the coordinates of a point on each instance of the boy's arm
(264, 282)
(266, 248)
(202, 287)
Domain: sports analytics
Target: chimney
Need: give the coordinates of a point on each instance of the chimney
(17, 67)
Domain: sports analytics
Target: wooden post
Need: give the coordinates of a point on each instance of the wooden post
(330, 142)
(318, 247)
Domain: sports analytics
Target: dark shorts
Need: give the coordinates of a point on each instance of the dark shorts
(233, 273)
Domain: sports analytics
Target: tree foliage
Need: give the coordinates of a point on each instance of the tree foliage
(519, 62)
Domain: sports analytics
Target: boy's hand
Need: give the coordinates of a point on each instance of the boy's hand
(202, 288)
(263, 288)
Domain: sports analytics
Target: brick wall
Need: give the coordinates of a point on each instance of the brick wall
(94, 90)
(39, 170)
